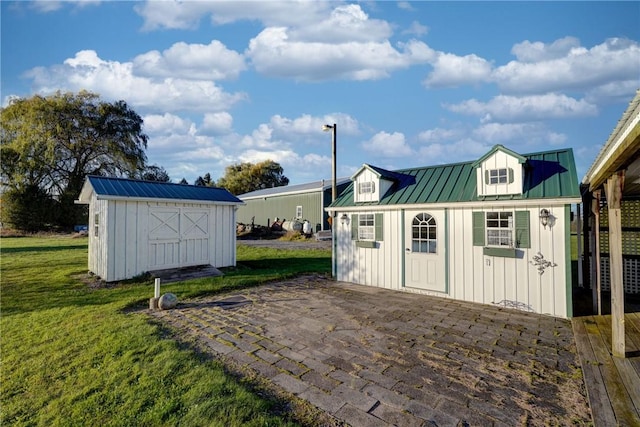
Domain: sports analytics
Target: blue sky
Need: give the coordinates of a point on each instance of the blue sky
(407, 83)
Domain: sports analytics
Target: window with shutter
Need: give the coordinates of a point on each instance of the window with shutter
(367, 227)
(523, 235)
(478, 228)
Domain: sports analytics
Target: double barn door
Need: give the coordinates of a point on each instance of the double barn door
(178, 237)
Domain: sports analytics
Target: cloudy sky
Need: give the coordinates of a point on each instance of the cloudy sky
(407, 83)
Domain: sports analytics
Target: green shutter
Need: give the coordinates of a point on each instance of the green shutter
(378, 223)
(354, 227)
(478, 228)
(486, 176)
(510, 170)
(523, 238)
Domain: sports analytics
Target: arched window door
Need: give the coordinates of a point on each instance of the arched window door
(424, 234)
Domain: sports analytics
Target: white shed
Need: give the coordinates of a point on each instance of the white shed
(494, 231)
(141, 226)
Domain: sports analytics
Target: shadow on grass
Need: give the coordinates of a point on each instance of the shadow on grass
(134, 294)
(6, 250)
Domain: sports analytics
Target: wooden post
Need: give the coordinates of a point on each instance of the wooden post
(596, 279)
(579, 242)
(614, 195)
(586, 235)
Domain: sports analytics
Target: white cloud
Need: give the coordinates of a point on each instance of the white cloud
(565, 66)
(527, 108)
(462, 150)
(187, 14)
(416, 29)
(273, 53)
(307, 125)
(438, 135)
(284, 157)
(46, 6)
(388, 145)
(537, 51)
(405, 5)
(191, 61)
(116, 80)
(518, 134)
(452, 70)
(156, 124)
(346, 23)
(217, 123)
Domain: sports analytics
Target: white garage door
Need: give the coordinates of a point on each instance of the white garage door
(178, 237)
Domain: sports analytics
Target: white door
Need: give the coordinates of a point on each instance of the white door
(164, 237)
(178, 237)
(194, 236)
(425, 250)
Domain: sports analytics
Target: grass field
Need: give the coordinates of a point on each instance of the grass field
(77, 355)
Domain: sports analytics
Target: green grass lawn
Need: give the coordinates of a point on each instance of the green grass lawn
(76, 355)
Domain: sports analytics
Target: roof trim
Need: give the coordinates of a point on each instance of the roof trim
(499, 147)
(623, 141)
(458, 205)
(379, 172)
(323, 185)
(111, 188)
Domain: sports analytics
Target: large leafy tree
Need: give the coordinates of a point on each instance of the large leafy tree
(54, 142)
(245, 177)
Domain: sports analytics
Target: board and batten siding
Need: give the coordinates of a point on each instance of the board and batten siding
(512, 282)
(283, 207)
(379, 266)
(471, 275)
(125, 246)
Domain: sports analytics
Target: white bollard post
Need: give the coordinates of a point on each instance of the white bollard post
(153, 302)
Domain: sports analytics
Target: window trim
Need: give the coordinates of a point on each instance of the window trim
(366, 187)
(521, 229)
(509, 229)
(369, 228)
(508, 176)
(377, 226)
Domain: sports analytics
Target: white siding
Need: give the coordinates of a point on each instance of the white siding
(127, 246)
(499, 160)
(98, 255)
(472, 276)
(379, 266)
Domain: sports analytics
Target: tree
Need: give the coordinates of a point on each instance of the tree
(205, 181)
(245, 177)
(29, 208)
(183, 181)
(54, 142)
(154, 173)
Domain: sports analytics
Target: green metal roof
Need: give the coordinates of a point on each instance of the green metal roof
(547, 175)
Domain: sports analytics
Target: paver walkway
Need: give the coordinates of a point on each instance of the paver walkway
(370, 356)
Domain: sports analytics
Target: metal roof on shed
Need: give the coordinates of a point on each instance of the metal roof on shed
(547, 175)
(289, 189)
(136, 189)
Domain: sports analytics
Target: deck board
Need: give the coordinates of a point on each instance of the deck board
(613, 384)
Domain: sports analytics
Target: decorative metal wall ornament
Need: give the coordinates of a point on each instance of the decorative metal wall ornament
(541, 263)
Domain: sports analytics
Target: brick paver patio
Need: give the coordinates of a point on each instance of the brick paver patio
(369, 356)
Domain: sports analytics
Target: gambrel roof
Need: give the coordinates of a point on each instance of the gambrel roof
(120, 188)
(547, 175)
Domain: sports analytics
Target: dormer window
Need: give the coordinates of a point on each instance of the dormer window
(499, 173)
(367, 187)
(498, 176)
